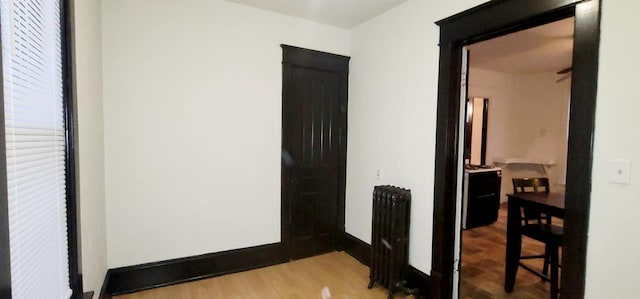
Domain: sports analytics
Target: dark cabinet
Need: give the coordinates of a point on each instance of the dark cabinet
(481, 197)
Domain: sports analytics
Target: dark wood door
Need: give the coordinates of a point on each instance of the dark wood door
(314, 106)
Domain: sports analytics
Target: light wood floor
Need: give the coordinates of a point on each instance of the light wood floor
(483, 258)
(482, 275)
(342, 274)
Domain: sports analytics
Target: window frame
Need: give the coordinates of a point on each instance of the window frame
(73, 212)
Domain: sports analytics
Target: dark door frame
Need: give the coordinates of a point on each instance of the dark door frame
(312, 59)
(496, 18)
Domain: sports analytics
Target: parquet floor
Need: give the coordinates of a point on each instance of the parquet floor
(483, 258)
(343, 275)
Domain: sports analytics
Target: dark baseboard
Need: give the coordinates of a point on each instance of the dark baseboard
(153, 275)
(361, 251)
(87, 295)
(103, 291)
(417, 279)
(158, 274)
(357, 248)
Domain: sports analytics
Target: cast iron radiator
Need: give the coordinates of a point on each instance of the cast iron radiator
(390, 238)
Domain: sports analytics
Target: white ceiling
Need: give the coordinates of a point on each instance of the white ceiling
(546, 48)
(339, 13)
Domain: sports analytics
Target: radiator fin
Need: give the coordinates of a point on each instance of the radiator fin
(390, 237)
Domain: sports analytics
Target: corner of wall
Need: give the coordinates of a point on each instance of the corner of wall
(90, 160)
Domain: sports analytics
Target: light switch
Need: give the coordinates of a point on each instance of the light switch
(379, 175)
(620, 172)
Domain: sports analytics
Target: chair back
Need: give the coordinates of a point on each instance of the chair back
(531, 185)
(535, 185)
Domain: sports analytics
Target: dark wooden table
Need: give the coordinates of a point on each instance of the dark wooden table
(551, 203)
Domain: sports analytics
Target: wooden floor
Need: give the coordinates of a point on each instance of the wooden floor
(483, 258)
(482, 275)
(343, 275)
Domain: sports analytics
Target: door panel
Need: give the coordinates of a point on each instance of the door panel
(314, 128)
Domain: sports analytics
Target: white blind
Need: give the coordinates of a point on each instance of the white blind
(35, 135)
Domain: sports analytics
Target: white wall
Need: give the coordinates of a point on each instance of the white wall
(88, 58)
(392, 115)
(394, 73)
(192, 92)
(541, 121)
(499, 88)
(527, 119)
(612, 254)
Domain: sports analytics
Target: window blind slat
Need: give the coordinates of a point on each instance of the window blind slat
(31, 138)
(27, 184)
(22, 130)
(18, 167)
(35, 148)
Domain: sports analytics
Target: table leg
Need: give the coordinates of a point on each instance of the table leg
(514, 239)
(554, 272)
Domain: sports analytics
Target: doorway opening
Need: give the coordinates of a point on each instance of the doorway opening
(522, 134)
(494, 19)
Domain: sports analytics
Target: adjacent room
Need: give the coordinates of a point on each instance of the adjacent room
(315, 148)
(516, 131)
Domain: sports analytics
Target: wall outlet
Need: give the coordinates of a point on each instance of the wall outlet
(620, 172)
(379, 174)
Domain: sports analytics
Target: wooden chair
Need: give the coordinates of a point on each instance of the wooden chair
(535, 185)
(536, 224)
